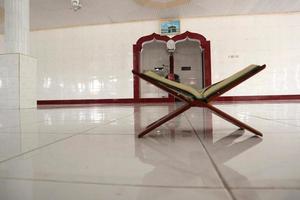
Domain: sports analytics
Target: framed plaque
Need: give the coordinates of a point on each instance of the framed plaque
(170, 27)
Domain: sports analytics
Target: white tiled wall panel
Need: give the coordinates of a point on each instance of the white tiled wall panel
(17, 81)
(28, 67)
(95, 62)
(9, 76)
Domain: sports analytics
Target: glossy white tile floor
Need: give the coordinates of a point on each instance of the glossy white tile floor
(93, 153)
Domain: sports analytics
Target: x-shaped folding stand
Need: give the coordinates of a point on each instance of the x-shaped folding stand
(192, 102)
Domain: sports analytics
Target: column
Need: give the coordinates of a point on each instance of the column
(17, 68)
(17, 26)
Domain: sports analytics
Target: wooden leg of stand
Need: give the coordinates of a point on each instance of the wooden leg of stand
(233, 120)
(164, 119)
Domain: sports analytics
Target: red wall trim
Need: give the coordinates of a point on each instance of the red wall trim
(102, 101)
(83, 101)
(258, 98)
(167, 100)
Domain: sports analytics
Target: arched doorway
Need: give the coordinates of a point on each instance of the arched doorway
(190, 62)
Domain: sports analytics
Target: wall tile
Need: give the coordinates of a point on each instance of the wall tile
(95, 62)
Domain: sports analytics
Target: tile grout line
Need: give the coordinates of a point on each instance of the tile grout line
(56, 141)
(152, 186)
(105, 124)
(37, 148)
(94, 127)
(274, 120)
(225, 184)
(110, 184)
(264, 188)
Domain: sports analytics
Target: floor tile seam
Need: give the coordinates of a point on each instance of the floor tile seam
(51, 143)
(273, 120)
(258, 117)
(281, 122)
(37, 148)
(65, 132)
(264, 132)
(268, 119)
(34, 133)
(286, 119)
(94, 134)
(224, 182)
(112, 184)
(263, 188)
(106, 124)
(14, 132)
(41, 121)
(46, 145)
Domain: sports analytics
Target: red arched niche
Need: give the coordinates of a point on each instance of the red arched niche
(137, 48)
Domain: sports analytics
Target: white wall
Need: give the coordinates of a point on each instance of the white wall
(263, 39)
(95, 62)
(92, 62)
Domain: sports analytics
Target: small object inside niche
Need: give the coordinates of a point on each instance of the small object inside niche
(186, 68)
(161, 70)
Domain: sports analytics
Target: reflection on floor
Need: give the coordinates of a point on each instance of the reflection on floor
(93, 153)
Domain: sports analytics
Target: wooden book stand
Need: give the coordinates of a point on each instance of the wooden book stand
(199, 98)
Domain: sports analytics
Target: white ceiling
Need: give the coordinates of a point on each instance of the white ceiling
(46, 14)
